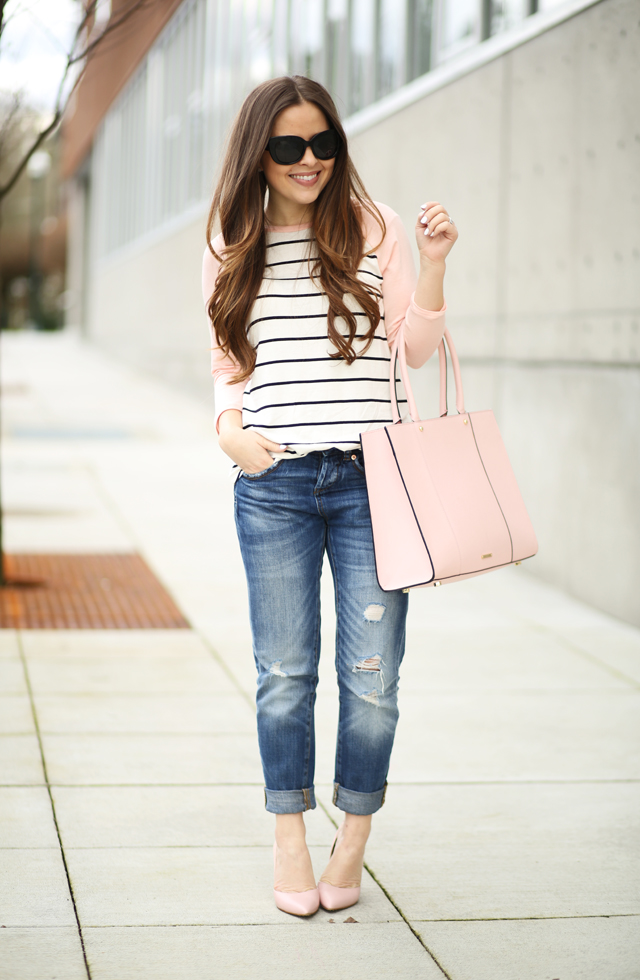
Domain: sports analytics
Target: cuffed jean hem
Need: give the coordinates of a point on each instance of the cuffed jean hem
(361, 804)
(289, 800)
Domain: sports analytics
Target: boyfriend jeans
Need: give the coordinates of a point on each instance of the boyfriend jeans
(286, 517)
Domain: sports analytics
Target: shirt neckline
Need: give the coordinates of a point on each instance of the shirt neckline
(287, 228)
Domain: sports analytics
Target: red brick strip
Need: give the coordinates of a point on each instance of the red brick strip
(85, 592)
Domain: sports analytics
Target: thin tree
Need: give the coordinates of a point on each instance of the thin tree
(91, 35)
(88, 38)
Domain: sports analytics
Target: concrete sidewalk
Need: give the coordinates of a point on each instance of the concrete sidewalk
(133, 838)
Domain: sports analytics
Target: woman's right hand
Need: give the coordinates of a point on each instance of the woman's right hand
(246, 447)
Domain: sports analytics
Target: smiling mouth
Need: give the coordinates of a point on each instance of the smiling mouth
(305, 178)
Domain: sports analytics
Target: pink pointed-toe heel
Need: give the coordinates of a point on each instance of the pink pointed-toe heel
(296, 903)
(332, 898)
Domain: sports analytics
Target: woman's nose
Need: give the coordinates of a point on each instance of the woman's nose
(308, 159)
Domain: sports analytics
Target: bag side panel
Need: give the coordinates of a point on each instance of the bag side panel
(402, 558)
(456, 507)
(502, 478)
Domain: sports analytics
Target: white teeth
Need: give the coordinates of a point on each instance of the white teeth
(304, 176)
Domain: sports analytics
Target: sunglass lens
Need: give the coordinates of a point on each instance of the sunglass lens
(287, 149)
(325, 145)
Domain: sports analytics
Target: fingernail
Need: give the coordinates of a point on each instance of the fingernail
(424, 221)
(432, 234)
(282, 448)
(426, 231)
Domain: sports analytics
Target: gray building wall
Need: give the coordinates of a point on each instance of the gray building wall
(536, 155)
(146, 306)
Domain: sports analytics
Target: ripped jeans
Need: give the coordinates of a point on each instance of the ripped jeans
(286, 516)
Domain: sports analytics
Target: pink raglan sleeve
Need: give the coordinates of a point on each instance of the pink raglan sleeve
(227, 393)
(423, 329)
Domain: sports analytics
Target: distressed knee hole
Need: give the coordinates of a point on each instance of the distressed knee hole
(371, 665)
(374, 613)
(276, 668)
(371, 697)
(368, 663)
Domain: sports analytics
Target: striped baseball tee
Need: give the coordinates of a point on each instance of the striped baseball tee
(298, 395)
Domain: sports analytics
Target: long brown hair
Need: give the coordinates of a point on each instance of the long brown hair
(238, 202)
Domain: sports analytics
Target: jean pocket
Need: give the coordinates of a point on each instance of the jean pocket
(357, 461)
(261, 473)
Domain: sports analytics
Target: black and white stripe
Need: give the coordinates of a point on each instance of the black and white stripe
(299, 395)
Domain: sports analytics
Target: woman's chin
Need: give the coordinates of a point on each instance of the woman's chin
(305, 195)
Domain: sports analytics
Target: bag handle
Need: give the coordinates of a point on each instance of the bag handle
(398, 352)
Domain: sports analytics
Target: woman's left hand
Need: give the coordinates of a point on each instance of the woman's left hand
(435, 233)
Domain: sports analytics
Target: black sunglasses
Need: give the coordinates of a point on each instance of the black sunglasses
(291, 149)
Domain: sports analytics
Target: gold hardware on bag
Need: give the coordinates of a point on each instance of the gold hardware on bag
(406, 590)
(421, 429)
(466, 421)
(487, 556)
(518, 563)
(436, 583)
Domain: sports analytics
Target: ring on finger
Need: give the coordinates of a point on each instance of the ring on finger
(432, 233)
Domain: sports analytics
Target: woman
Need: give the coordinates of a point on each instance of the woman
(304, 298)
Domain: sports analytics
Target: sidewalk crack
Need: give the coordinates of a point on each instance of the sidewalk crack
(51, 801)
(415, 932)
(219, 659)
(592, 658)
(393, 902)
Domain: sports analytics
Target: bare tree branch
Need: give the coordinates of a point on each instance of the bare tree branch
(20, 167)
(83, 46)
(110, 27)
(3, 4)
(10, 111)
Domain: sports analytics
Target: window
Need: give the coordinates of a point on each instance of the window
(458, 26)
(362, 53)
(155, 155)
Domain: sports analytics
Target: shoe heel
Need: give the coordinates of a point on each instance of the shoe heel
(296, 903)
(332, 898)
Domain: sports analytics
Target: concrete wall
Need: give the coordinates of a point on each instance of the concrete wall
(536, 154)
(146, 307)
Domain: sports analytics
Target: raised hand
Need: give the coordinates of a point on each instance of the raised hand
(435, 232)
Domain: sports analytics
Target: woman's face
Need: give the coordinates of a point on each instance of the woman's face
(294, 187)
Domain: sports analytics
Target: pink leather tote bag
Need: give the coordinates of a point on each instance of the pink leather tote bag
(444, 502)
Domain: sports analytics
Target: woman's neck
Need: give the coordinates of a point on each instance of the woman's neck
(282, 212)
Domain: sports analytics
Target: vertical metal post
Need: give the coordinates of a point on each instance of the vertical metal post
(3, 580)
(486, 12)
(36, 199)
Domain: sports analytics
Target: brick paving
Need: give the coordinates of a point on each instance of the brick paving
(117, 591)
